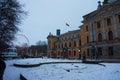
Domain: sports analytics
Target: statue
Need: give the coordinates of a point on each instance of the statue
(94, 53)
(83, 56)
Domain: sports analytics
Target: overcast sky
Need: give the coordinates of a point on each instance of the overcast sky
(46, 16)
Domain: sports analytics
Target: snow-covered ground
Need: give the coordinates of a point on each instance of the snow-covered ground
(62, 71)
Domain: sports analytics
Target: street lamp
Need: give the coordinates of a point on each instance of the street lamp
(79, 53)
(79, 50)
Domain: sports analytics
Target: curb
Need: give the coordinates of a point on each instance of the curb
(26, 65)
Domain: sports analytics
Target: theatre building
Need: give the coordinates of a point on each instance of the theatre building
(101, 28)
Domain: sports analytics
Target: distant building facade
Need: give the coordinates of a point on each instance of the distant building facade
(101, 28)
(66, 45)
(34, 51)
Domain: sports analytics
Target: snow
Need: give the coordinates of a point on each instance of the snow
(61, 71)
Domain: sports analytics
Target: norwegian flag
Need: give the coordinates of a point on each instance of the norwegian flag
(67, 24)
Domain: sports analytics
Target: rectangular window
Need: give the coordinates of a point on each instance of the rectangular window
(108, 21)
(79, 42)
(69, 53)
(119, 18)
(87, 39)
(88, 54)
(86, 28)
(110, 51)
(74, 43)
(100, 50)
(98, 24)
(74, 53)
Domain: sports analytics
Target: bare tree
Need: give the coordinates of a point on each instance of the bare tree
(11, 14)
(41, 43)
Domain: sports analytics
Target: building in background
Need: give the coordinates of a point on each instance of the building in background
(65, 45)
(34, 51)
(101, 28)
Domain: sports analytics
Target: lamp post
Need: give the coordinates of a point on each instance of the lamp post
(79, 53)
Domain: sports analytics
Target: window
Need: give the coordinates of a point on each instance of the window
(108, 21)
(119, 18)
(86, 28)
(69, 53)
(49, 42)
(88, 54)
(110, 35)
(79, 42)
(59, 53)
(65, 44)
(110, 51)
(74, 43)
(100, 50)
(99, 37)
(74, 53)
(62, 45)
(69, 44)
(98, 24)
(87, 39)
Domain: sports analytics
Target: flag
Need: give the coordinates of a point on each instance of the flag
(67, 24)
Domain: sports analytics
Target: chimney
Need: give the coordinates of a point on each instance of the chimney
(58, 32)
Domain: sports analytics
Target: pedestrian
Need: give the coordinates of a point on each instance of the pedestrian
(2, 68)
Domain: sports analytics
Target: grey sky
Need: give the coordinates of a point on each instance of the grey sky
(46, 16)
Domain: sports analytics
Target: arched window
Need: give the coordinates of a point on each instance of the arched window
(69, 53)
(110, 35)
(65, 44)
(99, 37)
(69, 44)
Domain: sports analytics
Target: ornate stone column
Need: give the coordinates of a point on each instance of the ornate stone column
(103, 29)
(115, 27)
(94, 31)
(91, 32)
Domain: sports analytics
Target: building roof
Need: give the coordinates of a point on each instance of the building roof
(70, 32)
(102, 7)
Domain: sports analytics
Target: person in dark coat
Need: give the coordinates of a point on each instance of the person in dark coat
(2, 68)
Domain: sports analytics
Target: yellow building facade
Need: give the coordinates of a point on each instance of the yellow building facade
(101, 28)
(66, 45)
